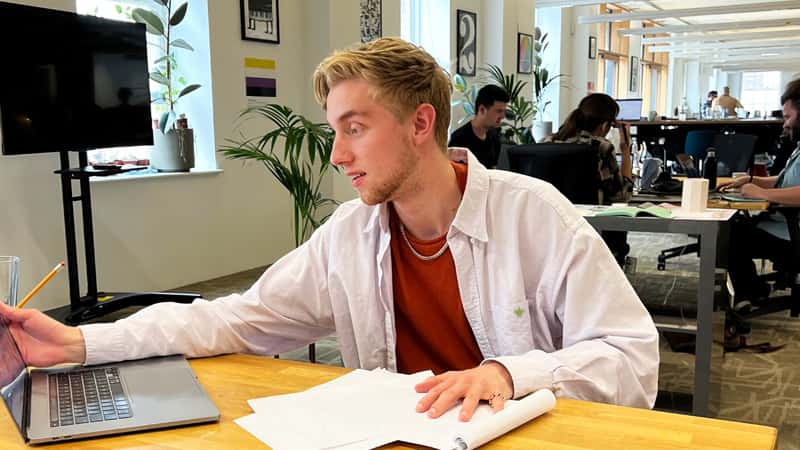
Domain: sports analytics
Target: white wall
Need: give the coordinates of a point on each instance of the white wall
(580, 70)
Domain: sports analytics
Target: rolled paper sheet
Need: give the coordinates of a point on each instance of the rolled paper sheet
(695, 195)
(512, 416)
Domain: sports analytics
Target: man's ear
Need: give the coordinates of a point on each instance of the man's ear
(424, 120)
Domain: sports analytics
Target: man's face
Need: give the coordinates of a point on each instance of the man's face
(373, 148)
(492, 117)
(791, 122)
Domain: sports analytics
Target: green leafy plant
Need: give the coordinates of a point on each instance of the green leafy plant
(159, 22)
(520, 109)
(297, 153)
(541, 76)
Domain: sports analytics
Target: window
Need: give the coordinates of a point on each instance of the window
(426, 24)
(761, 91)
(198, 106)
(610, 77)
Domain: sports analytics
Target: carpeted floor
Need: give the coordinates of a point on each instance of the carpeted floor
(752, 387)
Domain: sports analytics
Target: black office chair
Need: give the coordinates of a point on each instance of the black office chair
(734, 152)
(570, 168)
(786, 276)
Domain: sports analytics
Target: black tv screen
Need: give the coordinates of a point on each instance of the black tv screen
(71, 82)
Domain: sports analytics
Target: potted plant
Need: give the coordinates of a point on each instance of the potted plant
(174, 140)
(541, 80)
(297, 153)
(300, 167)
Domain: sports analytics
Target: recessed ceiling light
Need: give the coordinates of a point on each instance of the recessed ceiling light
(770, 54)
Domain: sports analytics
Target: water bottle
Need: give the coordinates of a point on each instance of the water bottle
(710, 168)
(635, 159)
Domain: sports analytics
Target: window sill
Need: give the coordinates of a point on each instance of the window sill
(149, 174)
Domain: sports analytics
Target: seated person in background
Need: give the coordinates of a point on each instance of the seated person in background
(480, 134)
(712, 95)
(766, 235)
(431, 268)
(589, 124)
(727, 102)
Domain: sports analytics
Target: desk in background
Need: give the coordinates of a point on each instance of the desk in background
(674, 132)
(232, 380)
(709, 232)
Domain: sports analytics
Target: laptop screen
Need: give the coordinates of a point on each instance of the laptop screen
(629, 109)
(13, 375)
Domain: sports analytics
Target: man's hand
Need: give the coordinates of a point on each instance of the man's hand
(490, 381)
(42, 340)
(734, 184)
(751, 190)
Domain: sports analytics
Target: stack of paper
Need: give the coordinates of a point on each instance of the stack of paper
(367, 409)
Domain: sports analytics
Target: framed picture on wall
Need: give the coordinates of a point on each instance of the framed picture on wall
(592, 47)
(466, 39)
(370, 20)
(634, 84)
(260, 21)
(524, 53)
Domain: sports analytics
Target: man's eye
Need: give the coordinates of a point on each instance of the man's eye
(353, 130)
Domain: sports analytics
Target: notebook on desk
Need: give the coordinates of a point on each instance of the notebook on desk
(737, 198)
(49, 405)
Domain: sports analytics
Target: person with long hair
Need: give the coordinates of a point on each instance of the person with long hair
(588, 124)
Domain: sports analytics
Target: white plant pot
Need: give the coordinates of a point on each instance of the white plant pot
(541, 130)
(173, 151)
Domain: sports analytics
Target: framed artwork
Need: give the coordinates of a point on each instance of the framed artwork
(592, 47)
(634, 84)
(466, 47)
(370, 20)
(260, 21)
(524, 53)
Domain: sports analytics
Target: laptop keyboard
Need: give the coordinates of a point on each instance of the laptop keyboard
(86, 396)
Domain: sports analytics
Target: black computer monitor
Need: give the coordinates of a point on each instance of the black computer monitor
(71, 82)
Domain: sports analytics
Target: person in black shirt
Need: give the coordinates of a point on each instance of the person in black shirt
(480, 134)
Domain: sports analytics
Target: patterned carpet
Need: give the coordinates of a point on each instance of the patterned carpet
(756, 388)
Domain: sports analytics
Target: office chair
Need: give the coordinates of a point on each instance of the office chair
(550, 161)
(696, 144)
(734, 152)
(786, 276)
(572, 169)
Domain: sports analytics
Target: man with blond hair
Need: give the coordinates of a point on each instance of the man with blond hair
(491, 279)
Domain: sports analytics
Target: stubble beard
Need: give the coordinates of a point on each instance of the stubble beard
(389, 188)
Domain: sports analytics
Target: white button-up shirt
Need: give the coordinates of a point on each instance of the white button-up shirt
(540, 290)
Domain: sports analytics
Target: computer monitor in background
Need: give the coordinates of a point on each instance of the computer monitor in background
(629, 109)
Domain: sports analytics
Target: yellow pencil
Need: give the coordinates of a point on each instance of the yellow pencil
(41, 284)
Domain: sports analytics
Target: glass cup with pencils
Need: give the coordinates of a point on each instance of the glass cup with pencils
(9, 279)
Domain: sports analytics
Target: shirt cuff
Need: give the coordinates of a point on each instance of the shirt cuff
(529, 372)
(104, 343)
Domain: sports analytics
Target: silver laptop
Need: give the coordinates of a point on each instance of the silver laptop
(630, 109)
(51, 405)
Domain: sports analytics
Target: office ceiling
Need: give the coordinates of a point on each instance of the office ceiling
(729, 34)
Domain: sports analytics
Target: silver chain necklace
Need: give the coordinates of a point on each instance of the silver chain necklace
(438, 253)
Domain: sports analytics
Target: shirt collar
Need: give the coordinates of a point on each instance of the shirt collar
(471, 215)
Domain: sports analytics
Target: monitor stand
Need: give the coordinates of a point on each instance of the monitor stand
(95, 303)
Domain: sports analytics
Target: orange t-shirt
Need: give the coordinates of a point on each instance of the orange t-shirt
(432, 330)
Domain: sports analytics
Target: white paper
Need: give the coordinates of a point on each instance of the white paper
(367, 409)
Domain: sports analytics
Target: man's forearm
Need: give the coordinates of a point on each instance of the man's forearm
(785, 196)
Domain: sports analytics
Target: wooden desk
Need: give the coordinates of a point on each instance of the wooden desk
(232, 380)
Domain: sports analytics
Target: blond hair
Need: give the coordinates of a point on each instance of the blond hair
(401, 76)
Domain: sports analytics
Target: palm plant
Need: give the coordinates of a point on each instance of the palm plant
(520, 109)
(301, 165)
(468, 94)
